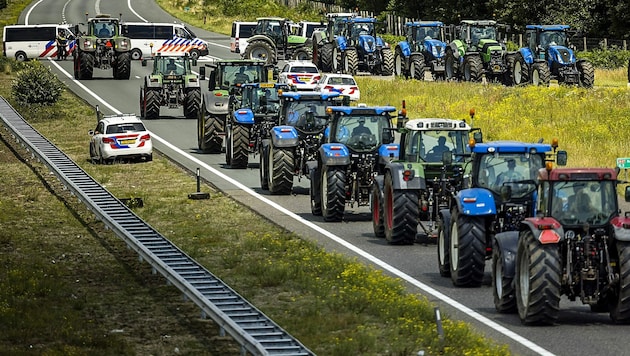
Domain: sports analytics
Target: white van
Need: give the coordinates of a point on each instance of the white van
(149, 38)
(241, 31)
(24, 42)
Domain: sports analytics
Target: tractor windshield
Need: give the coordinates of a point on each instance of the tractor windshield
(514, 170)
(172, 65)
(361, 28)
(233, 75)
(361, 133)
(308, 116)
(478, 33)
(553, 38)
(579, 202)
(262, 100)
(104, 29)
(428, 146)
(427, 33)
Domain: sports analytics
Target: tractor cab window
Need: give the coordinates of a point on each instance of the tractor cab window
(514, 170)
(552, 38)
(296, 113)
(233, 75)
(427, 33)
(104, 29)
(363, 28)
(361, 133)
(478, 33)
(172, 66)
(579, 202)
(263, 100)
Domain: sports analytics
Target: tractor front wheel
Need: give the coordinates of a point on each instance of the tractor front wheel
(620, 300)
(192, 102)
(400, 208)
(261, 50)
(502, 286)
(280, 170)
(467, 250)
(376, 206)
(333, 192)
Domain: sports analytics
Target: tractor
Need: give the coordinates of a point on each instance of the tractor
(276, 39)
(225, 80)
(292, 147)
(358, 143)
(424, 48)
(325, 51)
(171, 84)
(359, 49)
(101, 46)
(253, 113)
(416, 186)
(498, 194)
(476, 53)
(548, 56)
(577, 244)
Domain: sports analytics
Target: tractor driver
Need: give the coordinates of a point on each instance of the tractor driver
(511, 175)
(241, 77)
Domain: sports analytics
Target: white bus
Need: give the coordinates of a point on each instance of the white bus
(24, 42)
(149, 38)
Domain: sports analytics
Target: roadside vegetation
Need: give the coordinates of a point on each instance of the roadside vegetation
(67, 286)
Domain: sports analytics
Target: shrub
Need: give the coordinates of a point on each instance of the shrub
(36, 84)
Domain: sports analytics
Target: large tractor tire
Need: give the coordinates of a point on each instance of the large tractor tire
(520, 71)
(417, 67)
(84, 64)
(620, 300)
(237, 146)
(281, 168)
(122, 66)
(587, 74)
(400, 208)
(444, 246)
(502, 286)
(316, 196)
(467, 250)
(540, 74)
(326, 57)
(192, 102)
(143, 103)
(387, 67)
(400, 64)
(351, 61)
(473, 69)
(333, 192)
(508, 76)
(302, 54)
(260, 50)
(208, 128)
(451, 66)
(376, 207)
(263, 168)
(538, 271)
(152, 106)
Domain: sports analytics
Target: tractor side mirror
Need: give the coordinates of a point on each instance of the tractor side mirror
(447, 158)
(388, 136)
(561, 158)
(627, 194)
(202, 73)
(478, 137)
(506, 192)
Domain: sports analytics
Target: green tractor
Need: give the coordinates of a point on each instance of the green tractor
(225, 82)
(102, 46)
(476, 52)
(277, 39)
(173, 84)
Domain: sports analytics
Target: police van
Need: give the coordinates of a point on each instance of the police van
(149, 38)
(241, 31)
(24, 42)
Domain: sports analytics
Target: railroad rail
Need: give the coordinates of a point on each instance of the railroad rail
(253, 330)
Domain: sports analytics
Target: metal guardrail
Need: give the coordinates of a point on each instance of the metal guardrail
(253, 330)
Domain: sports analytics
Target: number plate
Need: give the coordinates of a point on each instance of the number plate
(128, 142)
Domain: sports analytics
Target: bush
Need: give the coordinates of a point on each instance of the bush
(36, 84)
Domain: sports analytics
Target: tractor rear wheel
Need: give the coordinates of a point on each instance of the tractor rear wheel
(473, 69)
(261, 50)
(443, 244)
(192, 102)
(467, 250)
(400, 208)
(316, 197)
(400, 65)
(387, 67)
(152, 100)
(451, 66)
(264, 163)
(333, 192)
(352, 61)
(508, 76)
(376, 206)
(85, 65)
(520, 72)
(208, 129)
(280, 170)
(302, 54)
(537, 282)
(237, 146)
(122, 69)
(540, 74)
(587, 74)
(620, 301)
(502, 287)
(326, 57)
(143, 103)
(416, 67)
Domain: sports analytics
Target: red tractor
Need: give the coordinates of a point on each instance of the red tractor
(577, 245)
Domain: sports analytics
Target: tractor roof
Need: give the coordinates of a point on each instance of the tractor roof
(236, 62)
(479, 22)
(511, 147)
(362, 20)
(363, 110)
(425, 24)
(272, 19)
(548, 27)
(437, 124)
(309, 95)
(574, 174)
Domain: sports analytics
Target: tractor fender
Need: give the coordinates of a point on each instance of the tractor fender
(217, 105)
(527, 55)
(546, 230)
(475, 202)
(244, 116)
(445, 218)
(342, 43)
(192, 81)
(388, 152)
(417, 182)
(284, 136)
(380, 181)
(156, 83)
(621, 228)
(380, 43)
(334, 154)
(404, 48)
(507, 243)
(262, 38)
(457, 50)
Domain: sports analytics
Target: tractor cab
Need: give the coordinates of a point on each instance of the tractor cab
(103, 26)
(361, 129)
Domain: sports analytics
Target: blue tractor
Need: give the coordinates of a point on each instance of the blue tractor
(293, 143)
(424, 48)
(358, 143)
(359, 49)
(548, 56)
(253, 112)
(499, 194)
